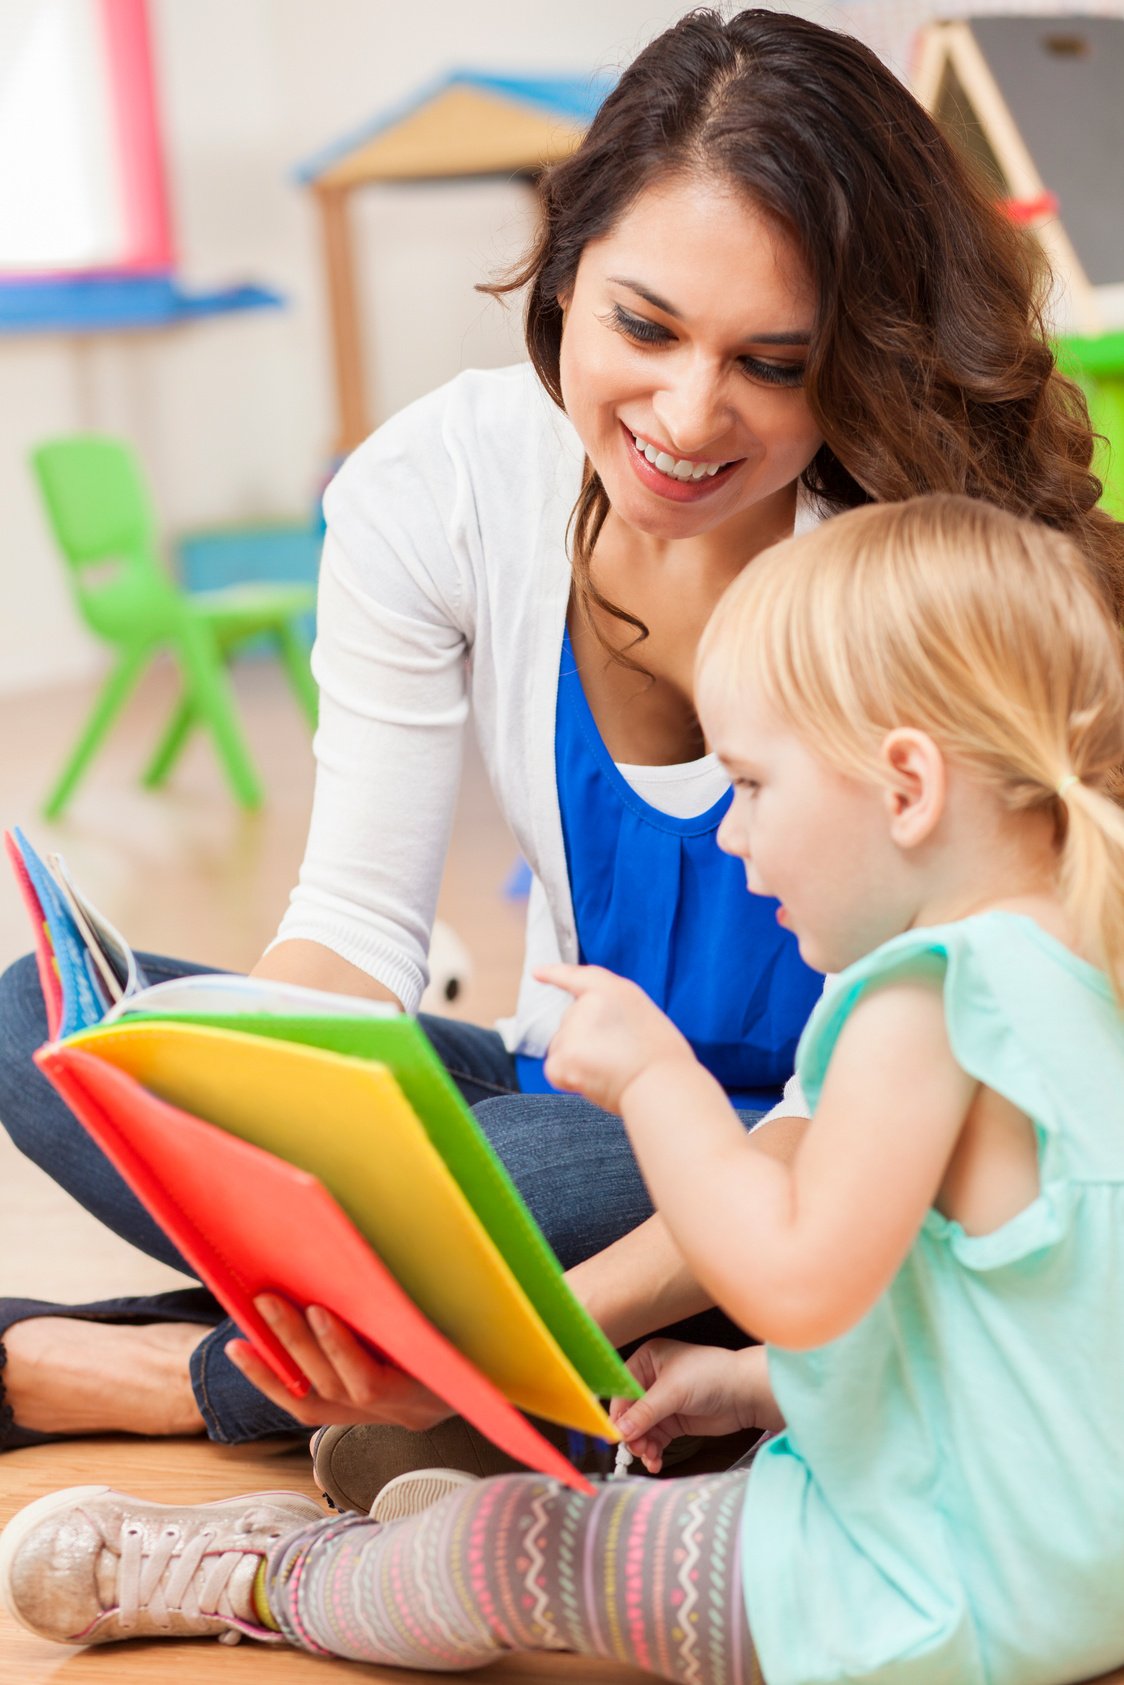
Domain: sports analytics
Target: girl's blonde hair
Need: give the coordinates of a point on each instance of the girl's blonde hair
(961, 620)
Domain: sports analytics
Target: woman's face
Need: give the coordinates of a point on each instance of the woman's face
(682, 361)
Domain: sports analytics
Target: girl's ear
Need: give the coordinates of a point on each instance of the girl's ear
(918, 785)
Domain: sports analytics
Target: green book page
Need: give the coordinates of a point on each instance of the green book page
(401, 1044)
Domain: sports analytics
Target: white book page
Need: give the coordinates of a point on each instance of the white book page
(115, 960)
(227, 995)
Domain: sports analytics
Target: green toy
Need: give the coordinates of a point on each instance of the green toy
(102, 518)
(1097, 365)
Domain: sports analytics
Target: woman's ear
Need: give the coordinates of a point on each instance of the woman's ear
(917, 785)
(563, 299)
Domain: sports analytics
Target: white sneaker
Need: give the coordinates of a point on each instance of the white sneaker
(418, 1489)
(89, 1565)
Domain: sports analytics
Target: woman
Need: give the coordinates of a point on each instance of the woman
(765, 289)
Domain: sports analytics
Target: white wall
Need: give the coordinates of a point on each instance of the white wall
(233, 416)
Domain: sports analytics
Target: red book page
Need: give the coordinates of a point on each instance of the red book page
(44, 953)
(249, 1223)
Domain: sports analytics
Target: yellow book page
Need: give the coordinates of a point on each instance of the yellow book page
(347, 1122)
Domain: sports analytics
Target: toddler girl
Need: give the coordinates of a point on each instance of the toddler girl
(921, 707)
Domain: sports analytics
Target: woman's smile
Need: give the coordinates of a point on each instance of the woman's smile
(682, 479)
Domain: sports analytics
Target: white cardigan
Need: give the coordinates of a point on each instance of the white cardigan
(444, 583)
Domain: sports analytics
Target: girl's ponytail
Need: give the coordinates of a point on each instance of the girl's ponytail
(1091, 874)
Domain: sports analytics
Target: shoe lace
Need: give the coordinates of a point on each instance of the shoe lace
(164, 1581)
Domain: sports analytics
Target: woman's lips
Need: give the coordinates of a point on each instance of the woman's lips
(676, 491)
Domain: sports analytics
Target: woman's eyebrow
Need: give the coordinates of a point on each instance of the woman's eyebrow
(661, 304)
(653, 299)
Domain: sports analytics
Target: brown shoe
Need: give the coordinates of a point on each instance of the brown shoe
(351, 1465)
(419, 1489)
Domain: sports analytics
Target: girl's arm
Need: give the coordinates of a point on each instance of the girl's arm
(795, 1253)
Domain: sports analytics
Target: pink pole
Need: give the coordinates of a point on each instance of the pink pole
(140, 148)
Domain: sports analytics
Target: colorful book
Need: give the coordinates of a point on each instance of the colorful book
(313, 1145)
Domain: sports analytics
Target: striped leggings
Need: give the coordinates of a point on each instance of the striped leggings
(644, 1572)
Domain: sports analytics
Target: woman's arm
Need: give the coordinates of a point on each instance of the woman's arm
(795, 1253)
(643, 1282)
(315, 967)
(640, 1283)
(390, 663)
(395, 619)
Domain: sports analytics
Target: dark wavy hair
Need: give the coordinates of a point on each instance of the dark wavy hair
(929, 368)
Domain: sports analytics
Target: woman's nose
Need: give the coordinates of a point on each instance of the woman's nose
(692, 414)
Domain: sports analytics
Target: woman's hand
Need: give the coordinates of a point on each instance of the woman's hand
(347, 1383)
(609, 1036)
(693, 1390)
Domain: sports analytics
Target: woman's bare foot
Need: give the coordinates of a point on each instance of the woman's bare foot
(67, 1376)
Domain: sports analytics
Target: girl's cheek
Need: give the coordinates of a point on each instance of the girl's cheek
(755, 883)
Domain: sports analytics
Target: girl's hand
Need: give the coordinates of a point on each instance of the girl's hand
(609, 1035)
(347, 1383)
(693, 1390)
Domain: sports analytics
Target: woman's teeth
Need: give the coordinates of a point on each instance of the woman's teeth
(674, 467)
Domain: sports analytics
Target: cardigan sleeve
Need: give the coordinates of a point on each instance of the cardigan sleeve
(394, 630)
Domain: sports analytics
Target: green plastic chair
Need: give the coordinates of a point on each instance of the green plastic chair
(102, 519)
(1097, 365)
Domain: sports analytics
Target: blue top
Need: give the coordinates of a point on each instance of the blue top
(657, 901)
(946, 1506)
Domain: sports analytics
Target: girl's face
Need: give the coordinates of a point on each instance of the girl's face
(814, 838)
(682, 359)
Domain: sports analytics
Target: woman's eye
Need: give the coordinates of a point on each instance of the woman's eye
(773, 374)
(643, 332)
(635, 327)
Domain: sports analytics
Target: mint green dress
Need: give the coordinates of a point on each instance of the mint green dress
(946, 1506)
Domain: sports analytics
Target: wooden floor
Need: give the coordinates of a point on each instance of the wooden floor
(185, 873)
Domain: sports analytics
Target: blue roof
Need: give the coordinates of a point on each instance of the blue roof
(576, 97)
(87, 303)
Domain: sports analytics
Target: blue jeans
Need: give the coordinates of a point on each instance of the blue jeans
(571, 1162)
